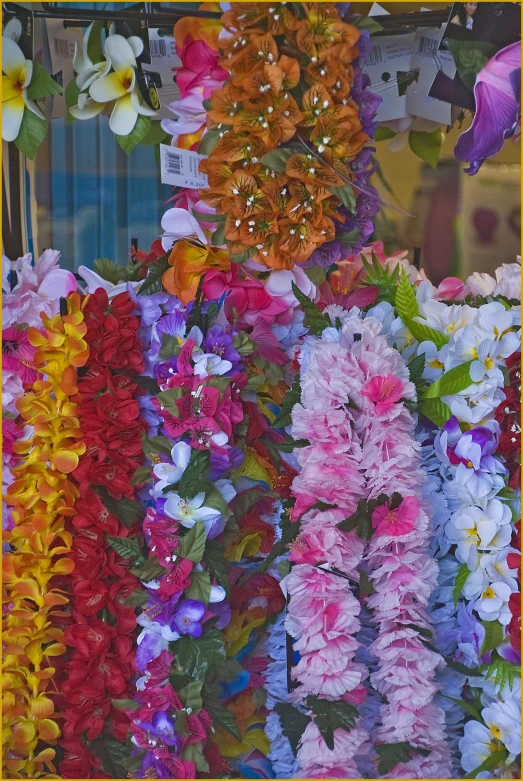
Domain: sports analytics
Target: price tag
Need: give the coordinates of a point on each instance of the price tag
(179, 167)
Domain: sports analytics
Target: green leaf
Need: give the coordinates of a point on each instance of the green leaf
(453, 381)
(112, 755)
(192, 546)
(126, 704)
(193, 752)
(317, 274)
(41, 84)
(345, 195)
(32, 133)
(466, 706)
(191, 695)
(152, 445)
(200, 587)
(138, 133)
(128, 511)
(95, 50)
(330, 716)
(243, 344)
(367, 23)
(427, 146)
(495, 760)
(214, 557)
(293, 723)
(383, 134)
(202, 217)
(142, 475)
(458, 667)
(391, 754)
(218, 237)
(215, 500)
(314, 320)
(461, 578)
(470, 57)
(361, 520)
(151, 570)
(169, 398)
(155, 135)
(436, 411)
(348, 238)
(223, 717)
(110, 271)
(170, 347)
(424, 333)
(209, 141)
(227, 669)
(137, 598)
(501, 671)
(243, 257)
(153, 282)
(259, 698)
(292, 396)
(71, 97)
(195, 654)
(192, 481)
(406, 304)
(128, 548)
(416, 368)
(278, 159)
(494, 636)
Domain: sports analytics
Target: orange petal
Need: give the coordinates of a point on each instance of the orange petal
(63, 567)
(48, 730)
(47, 755)
(65, 461)
(23, 733)
(42, 707)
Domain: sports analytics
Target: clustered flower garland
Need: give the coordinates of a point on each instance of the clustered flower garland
(98, 672)
(42, 497)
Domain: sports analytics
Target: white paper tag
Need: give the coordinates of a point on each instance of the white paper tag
(163, 60)
(389, 65)
(61, 47)
(427, 59)
(179, 167)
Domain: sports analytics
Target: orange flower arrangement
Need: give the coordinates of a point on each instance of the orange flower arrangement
(187, 262)
(284, 129)
(41, 496)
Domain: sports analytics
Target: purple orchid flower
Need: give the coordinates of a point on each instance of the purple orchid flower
(187, 618)
(221, 461)
(153, 768)
(497, 95)
(161, 727)
(470, 636)
(220, 343)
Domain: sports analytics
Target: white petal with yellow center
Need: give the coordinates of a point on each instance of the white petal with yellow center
(14, 62)
(121, 54)
(123, 117)
(12, 115)
(107, 88)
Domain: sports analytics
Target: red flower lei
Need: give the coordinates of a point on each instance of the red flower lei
(99, 630)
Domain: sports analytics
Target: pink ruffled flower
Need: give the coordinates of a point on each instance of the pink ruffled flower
(247, 296)
(18, 355)
(384, 392)
(199, 67)
(395, 522)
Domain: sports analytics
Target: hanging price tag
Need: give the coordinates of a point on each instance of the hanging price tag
(179, 167)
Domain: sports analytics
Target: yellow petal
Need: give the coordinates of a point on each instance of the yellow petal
(65, 461)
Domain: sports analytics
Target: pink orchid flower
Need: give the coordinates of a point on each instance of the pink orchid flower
(384, 392)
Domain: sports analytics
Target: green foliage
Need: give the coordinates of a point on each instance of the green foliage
(501, 671)
(227, 669)
(128, 511)
(210, 140)
(405, 302)
(369, 23)
(128, 548)
(153, 282)
(169, 398)
(416, 368)
(112, 755)
(436, 411)
(214, 558)
(243, 344)
(330, 716)
(126, 704)
(461, 578)
(32, 133)
(155, 135)
(138, 133)
(492, 762)
(191, 696)
(292, 397)
(192, 545)
(153, 445)
(494, 636)
(293, 723)
(348, 238)
(71, 98)
(195, 655)
(141, 475)
(278, 159)
(170, 347)
(470, 672)
(193, 752)
(193, 480)
(423, 333)
(470, 57)
(95, 50)
(427, 146)
(243, 257)
(314, 320)
(453, 381)
(41, 84)
(218, 237)
(466, 706)
(346, 195)
(223, 717)
(317, 274)
(391, 754)
(200, 587)
(110, 271)
(383, 134)
(137, 598)
(151, 570)
(381, 277)
(361, 520)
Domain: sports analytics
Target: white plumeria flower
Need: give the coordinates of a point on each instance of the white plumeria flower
(87, 71)
(472, 528)
(120, 86)
(13, 30)
(188, 511)
(486, 364)
(497, 568)
(433, 366)
(16, 77)
(170, 474)
(209, 364)
(508, 279)
(492, 605)
(217, 594)
(179, 224)
(504, 722)
(494, 319)
(476, 746)
(475, 408)
(449, 320)
(94, 281)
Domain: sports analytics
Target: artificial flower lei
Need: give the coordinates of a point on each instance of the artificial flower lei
(42, 497)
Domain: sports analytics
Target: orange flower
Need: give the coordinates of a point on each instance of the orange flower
(188, 262)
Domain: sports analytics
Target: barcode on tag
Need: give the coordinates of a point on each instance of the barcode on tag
(179, 167)
(158, 47)
(375, 57)
(63, 48)
(427, 47)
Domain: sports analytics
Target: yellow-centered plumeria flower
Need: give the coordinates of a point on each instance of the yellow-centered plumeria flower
(101, 87)
(41, 497)
(16, 77)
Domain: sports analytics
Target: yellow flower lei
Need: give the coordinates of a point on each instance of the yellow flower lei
(42, 497)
